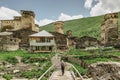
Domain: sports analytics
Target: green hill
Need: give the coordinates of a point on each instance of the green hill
(86, 26)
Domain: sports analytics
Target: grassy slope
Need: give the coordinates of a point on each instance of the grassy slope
(86, 26)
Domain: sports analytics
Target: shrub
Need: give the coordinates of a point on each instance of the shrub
(28, 74)
(1, 68)
(32, 59)
(8, 76)
(11, 60)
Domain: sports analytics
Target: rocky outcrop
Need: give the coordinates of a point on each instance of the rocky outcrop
(105, 71)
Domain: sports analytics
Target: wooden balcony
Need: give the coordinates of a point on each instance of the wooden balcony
(51, 43)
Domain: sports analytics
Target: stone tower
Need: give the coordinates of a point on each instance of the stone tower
(69, 33)
(59, 27)
(27, 19)
(109, 29)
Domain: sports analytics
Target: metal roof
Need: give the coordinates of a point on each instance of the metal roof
(42, 33)
(5, 33)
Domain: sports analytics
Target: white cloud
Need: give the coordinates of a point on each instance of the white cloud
(105, 6)
(6, 13)
(88, 4)
(61, 17)
(64, 17)
(45, 22)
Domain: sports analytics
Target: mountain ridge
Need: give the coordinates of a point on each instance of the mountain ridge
(89, 26)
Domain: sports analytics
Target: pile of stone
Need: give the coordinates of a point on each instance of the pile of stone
(104, 71)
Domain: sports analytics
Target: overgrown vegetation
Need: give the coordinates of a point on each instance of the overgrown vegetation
(11, 60)
(22, 53)
(31, 59)
(93, 56)
(8, 76)
(36, 73)
(38, 63)
(81, 70)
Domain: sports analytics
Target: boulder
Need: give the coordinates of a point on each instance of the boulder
(16, 71)
(105, 71)
(9, 66)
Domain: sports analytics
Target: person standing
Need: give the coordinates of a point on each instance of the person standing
(62, 67)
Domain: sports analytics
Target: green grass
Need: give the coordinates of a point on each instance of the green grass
(78, 52)
(22, 53)
(94, 60)
(42, 58)
(81, 70)
(93, 56)
(80, 27)
(8, 76)
(36, 73)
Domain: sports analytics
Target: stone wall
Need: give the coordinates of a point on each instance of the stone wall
(10, 47)
(105, 71)
(86, 41)
(23, 35)
(8, 43)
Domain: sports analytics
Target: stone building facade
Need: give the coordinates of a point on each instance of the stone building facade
(86, 41)
(26, 20)
(7, 42)
(59, 27)
(21, 27)
(61, 40)
(109, 29)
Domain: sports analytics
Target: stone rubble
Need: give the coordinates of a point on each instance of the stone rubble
(105, 71)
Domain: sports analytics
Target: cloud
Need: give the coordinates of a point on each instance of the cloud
(6, 13)
(64, 17)
(45, 22)
(105, 6)
(61, 17)
(88, 4)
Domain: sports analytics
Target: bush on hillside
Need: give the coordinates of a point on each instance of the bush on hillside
(29, 59)
(12, 60)
(8, 76)
(28, 74)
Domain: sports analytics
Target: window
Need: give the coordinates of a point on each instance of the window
(37, 48)
(43, 39)
(10, 39)
(43, 48)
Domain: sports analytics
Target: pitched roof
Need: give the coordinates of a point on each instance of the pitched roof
(5, 33)
(42, 33)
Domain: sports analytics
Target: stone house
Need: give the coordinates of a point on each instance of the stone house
(61, 40)
(21, 26)
(23, 35)
(85, 41)
(26, 20)
(42, 41)
(7, 42)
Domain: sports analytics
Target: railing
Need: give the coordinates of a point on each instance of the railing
(75, 73)
(47, 73)
(42, 43)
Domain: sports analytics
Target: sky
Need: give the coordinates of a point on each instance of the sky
(48, 11)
